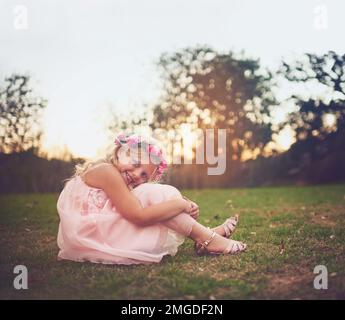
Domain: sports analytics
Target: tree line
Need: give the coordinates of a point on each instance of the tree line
(207, 89)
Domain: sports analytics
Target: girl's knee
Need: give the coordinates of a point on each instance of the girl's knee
(151, 193)
(170, 192)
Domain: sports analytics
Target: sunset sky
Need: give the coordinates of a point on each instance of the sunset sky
(84, 56)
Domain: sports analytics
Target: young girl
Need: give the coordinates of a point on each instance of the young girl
(109, 213)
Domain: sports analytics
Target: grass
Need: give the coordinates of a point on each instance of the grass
(308, 221)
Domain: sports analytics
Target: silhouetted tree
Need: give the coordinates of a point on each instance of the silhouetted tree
(211, 90)
(319, 121)
(311, 118)
(20, 112)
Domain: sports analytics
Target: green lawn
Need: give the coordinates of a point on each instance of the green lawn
(310, 221)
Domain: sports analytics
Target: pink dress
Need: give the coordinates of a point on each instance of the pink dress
(91, 229)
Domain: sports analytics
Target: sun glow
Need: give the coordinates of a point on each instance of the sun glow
(329, 120)
(285, 138)
(86, 142)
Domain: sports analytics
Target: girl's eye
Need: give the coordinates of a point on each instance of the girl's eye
(144, 176)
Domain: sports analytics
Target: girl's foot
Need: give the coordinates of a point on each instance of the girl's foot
(228, 227)
(217, 245)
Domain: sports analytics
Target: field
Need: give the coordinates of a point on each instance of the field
(289, 231)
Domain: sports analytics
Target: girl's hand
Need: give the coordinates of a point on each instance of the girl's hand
(193, 209)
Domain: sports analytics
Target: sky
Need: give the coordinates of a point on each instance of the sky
(86, 56)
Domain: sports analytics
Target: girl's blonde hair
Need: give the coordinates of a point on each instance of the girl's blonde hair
(130, 140)
(111, 158)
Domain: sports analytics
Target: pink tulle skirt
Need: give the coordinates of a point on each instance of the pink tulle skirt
(91, 229)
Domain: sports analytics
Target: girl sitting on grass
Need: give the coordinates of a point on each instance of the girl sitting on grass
(110, 213)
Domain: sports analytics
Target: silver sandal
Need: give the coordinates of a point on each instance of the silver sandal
(234, 247)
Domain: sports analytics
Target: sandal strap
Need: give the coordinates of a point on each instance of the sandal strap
(229, 226)
(234, 247)
(207, 242)
(227, 230)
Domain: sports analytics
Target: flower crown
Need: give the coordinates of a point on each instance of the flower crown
(151, 148)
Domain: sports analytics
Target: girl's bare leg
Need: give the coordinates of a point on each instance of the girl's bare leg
(186, 225)
(182, 223)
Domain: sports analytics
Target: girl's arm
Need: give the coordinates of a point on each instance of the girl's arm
(108, 178)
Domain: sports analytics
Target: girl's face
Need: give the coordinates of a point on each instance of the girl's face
(133, 171)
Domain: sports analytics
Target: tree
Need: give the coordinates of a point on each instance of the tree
(319, 121)
(20, 112)
(318, 117)
(207, 89)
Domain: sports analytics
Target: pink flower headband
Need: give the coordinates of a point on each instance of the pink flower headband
(151, 149)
